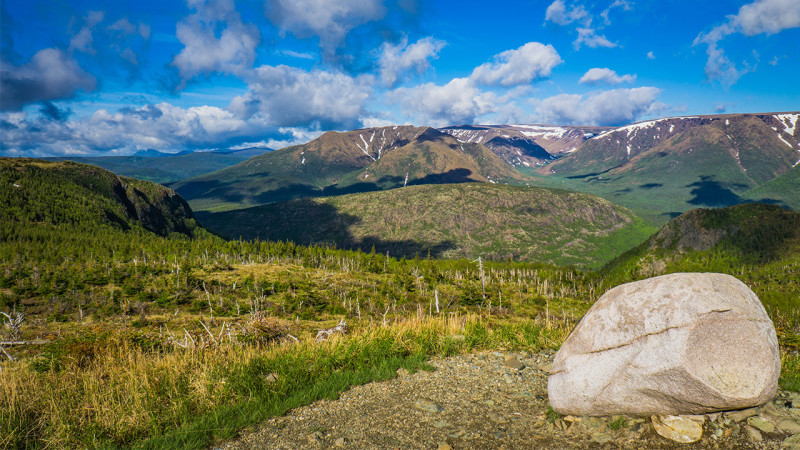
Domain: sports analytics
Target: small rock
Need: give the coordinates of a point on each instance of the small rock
(791, 442)
(761, 424)
(788, 426)
(445, 446)
(602, 438)
(271, 378)
(595, 422)
(440, 424)
(677, 428)
(427, 405)
(340, 442)
(514, 363)
(572, 419)
(545, 367)
(738, 416)
(752, 434)
(316, 437)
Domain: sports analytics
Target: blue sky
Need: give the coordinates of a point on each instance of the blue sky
(90, 78)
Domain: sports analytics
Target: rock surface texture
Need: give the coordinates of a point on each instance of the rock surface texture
(685, 343)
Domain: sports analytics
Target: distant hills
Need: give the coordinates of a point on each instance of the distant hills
(465, 220)
(342, 163)
(37, 193)
(716, 240)
(160, 167)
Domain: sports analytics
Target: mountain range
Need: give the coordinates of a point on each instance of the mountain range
(662, 168)
(656, 169)
(342, 163)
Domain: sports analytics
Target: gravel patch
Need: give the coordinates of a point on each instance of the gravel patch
(493, 400)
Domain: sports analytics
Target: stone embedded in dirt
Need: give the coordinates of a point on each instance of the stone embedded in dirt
(427, 405)
(761, 425)
(514, 363)
(678, 429)
(753, 434)
(791, 442)
(738, 416)
(685, 343)
(788, 426)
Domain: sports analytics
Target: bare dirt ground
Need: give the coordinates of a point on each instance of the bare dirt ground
(489, 400)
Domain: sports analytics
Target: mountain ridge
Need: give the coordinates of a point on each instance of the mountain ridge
(339, 163)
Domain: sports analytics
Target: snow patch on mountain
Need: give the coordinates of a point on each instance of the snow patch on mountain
(542, 131)
(785, 141)
(789, 122)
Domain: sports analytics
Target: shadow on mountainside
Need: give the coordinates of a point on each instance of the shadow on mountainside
(258, 192)
(306, 222)
(708, 192)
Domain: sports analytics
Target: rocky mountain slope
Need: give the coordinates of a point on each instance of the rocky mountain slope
(762, 145)
(340, 163)
(451, 221)
(525, 145)
(665, 167)
(47, 193)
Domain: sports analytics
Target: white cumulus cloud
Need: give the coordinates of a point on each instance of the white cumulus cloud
(590, 38)
(330, 20)
(613, 107)
(289, 96)
(457, 102)
(204, 53)
(605, 75)
(561, 13)
(759, 17)
(396, 60)
(520, 66)
(558, 13)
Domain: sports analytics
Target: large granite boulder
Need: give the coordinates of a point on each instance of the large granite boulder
(685, 343)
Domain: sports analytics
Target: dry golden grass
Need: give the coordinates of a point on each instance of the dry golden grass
(122, 394)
